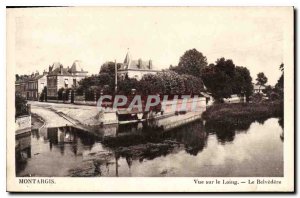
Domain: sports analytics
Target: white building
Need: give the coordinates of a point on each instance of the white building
(135, 68)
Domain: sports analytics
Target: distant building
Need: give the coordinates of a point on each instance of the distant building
(60, 77)
(235, 98)
(20, 86)
(135, 68)
(30, 87)
(258, 88)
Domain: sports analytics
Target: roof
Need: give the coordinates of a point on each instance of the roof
(58, 69)
(76, 67)
(259, 87)
(139, 64)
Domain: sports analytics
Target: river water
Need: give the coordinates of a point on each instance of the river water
(196, 149)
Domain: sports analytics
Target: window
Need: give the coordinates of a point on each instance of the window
(66, 82)
(74, 82)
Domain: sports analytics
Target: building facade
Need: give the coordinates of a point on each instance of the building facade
(135, 68)
(30, 87)
(60, 77)
(258, 88)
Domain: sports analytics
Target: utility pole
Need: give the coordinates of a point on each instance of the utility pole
(116, 77)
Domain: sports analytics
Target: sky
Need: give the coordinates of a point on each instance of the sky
(251, 37)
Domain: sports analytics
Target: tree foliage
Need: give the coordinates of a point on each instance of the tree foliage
(261, 79)
(170, 83)
(223, 79)
(191, 63)
(20, 105)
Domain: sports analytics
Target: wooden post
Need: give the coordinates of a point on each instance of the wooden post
(29, 109)
(116, 77)
(95, 96)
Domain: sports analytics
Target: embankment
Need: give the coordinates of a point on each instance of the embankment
(243, 112)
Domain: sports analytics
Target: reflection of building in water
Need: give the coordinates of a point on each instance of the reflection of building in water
(23, 150)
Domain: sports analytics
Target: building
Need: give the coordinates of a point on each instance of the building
(135, 68)
(60, 77)
(30, 87)
(20, 86)
(35, 85)
(258, 88)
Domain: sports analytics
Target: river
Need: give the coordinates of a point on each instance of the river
(197, 149)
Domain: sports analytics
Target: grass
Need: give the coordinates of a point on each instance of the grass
(243, 112)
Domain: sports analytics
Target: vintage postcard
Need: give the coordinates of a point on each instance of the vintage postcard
(150, 99)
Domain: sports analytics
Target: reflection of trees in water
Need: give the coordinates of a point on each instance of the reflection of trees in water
(35, 133)
(281, 123)
(193, 136)
(22, 151)
(152, 141)
(69, 135)
(225, 132)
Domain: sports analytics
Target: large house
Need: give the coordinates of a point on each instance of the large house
(258, 88)
(135, 68)
(60, 77)
(30, 87)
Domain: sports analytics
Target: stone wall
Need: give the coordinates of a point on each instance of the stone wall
(23, 124)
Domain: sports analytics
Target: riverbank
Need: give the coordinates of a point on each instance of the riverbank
(240, 113)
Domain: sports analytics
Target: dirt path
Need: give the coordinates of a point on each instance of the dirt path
(51, 118)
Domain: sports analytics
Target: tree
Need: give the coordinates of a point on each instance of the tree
(17, 77)
(218, 78)
(242, 82)
(279, 87)
(109, 68)
(261, 79)
(151, 84)
(20, 105)
(191, 63)
(224, 79)
(125, 86)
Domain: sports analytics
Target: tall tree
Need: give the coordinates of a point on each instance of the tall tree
(218, 78)
(109, 67)
(224, 79)
(242, 82)
(261, 79)
(191, 63)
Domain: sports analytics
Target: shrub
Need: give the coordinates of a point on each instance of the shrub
(20, 105)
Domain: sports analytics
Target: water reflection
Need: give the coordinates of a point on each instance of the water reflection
(142, 149)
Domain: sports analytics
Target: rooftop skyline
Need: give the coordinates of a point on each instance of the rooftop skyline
(95, 35)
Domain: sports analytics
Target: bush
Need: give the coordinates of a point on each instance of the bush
(21, 106)
(243, 112)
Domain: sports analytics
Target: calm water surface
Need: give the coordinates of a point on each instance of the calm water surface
(196, 149)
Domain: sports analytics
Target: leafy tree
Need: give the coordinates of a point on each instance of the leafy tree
(151, 84)
(218, 78)
(109, 68)
(20, 105)
(191, 62)
(125, 86)
(223, 79)
(261, 79)
(242, 82)
(279, 87)
(43, 96)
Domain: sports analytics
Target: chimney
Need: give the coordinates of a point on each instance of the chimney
(61, 69)
(150, 64)
(44, 72)
(139, 63)
(50, 68)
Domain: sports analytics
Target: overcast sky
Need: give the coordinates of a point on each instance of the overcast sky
(251, 37)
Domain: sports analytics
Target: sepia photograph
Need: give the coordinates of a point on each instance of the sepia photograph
(172, 99)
